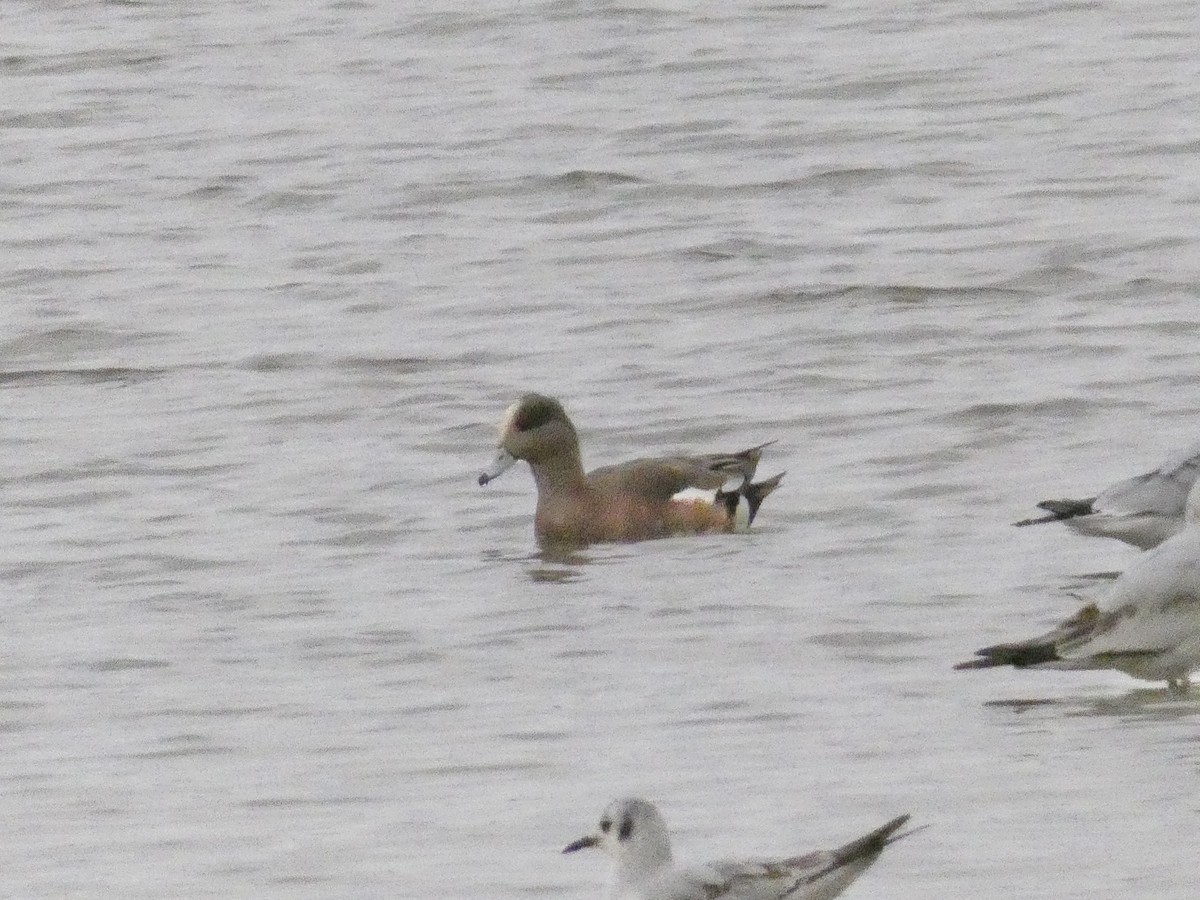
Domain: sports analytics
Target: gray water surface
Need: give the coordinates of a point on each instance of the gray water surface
(276, 269)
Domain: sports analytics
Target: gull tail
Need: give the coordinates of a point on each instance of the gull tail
(1059, 510)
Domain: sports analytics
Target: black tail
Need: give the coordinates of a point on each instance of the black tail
(1061, 509)
(755, 494)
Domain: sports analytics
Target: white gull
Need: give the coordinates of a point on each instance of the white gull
(634, 834)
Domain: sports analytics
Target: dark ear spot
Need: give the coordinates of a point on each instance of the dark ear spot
(626, 828)
(605, 824)
(536, 412)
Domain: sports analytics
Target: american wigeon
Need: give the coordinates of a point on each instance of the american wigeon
(631, 501)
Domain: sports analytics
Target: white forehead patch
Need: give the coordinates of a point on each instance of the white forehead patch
(506, 425)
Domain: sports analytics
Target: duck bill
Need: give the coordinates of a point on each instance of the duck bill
(582, 844)
(501, 464)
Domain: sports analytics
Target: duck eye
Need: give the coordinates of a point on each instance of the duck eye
(626, 828)
(605, 824)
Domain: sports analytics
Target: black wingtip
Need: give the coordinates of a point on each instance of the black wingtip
(1060, 510)
(1019, 656)
(1040, 520)
(872, 843)
(976, 664)
(866, 847)
(1068, 509)
(887, 831)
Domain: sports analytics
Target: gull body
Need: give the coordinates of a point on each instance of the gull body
(1143, 511)
(1146, 625)
(630, 501)
(634, 834)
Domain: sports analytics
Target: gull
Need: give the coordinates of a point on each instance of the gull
(1147, 624)
(1144, 510)
(634, 834)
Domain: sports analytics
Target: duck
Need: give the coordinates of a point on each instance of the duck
(637, 500)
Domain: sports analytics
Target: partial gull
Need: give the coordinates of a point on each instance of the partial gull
(1146, 625)
(1144, 510)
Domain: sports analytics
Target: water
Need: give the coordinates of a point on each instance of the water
(274, 272)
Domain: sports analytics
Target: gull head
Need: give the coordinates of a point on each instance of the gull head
(633, 833)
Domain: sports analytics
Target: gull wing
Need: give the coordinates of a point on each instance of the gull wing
(734, 880)
(820, 875)
(1162, 492)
